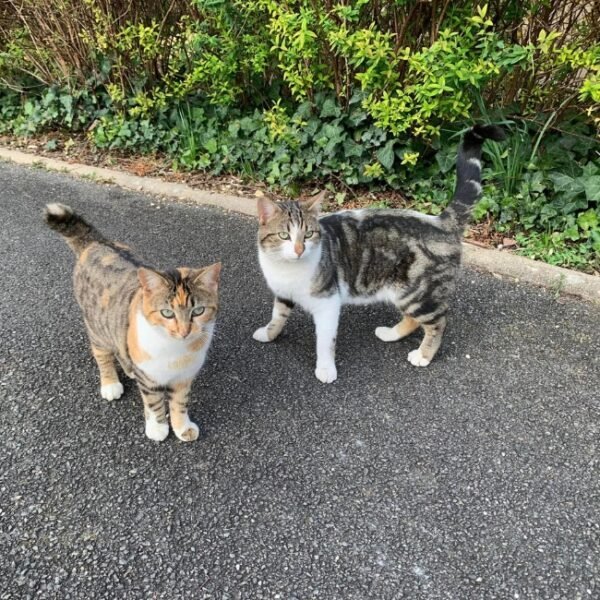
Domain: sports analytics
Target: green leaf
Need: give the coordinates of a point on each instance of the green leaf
(67, 101)
(248, 124)
(357, 116)
(446, 159)
(330, 109)
(351, 148)
(572, 233)
(590, 169)
(385, 155)
(592, 188)
(211, 145)
(588, 220)
(564, 183)
(304, 110)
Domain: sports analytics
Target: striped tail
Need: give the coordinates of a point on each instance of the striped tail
(468, 173)
(77, 233)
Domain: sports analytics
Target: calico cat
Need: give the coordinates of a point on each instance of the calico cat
(362, 256)
(158, 325)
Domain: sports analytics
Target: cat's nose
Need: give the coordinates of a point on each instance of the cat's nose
(299, 248)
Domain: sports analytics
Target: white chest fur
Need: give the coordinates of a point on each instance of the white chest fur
(171, 360)
(290, 279)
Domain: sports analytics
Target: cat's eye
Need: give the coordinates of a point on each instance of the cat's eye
(308, 234)
(197, 311)
(167, 314)
(284, 235)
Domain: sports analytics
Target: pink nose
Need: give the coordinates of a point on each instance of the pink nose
(299, 248)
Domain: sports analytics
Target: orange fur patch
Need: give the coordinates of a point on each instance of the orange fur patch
(181, 296)
(196, 345)
(137, 353)
(181, 363)
(406, 326)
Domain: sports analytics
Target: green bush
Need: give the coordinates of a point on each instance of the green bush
(419, 65)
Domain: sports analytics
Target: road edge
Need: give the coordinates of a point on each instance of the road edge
(501, 263)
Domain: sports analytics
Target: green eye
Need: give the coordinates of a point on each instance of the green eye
(167, 314)
(197, 311)
(284, 235)
(308, 234)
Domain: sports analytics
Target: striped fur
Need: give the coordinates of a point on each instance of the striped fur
(122, 302)
(363, 256)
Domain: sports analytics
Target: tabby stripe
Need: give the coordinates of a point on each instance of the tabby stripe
(287, 302)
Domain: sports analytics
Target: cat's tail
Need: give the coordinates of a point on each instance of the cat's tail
(77, 232)
(468, 173)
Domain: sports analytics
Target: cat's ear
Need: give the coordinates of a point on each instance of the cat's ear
(207, 277)
(151, 280)
(267, 209)
(313, 204)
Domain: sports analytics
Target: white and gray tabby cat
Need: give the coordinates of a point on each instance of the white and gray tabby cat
(363, 256)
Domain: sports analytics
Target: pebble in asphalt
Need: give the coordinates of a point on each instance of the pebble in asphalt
(477, 477)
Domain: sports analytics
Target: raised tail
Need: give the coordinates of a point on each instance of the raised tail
(77, 232)
(468, 173)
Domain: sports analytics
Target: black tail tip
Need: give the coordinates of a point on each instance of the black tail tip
(487, 132)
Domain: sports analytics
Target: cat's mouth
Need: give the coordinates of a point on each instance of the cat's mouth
(191, 335)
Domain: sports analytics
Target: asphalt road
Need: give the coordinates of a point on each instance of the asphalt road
(477, 477)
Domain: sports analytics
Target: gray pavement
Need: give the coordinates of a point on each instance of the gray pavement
(477, 477)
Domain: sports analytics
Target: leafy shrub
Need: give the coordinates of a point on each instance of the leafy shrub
(419, 65)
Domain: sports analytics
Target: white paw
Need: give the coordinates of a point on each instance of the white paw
(417, 359)
(260, 335)
(112, 391)
(326, 374)
(157, 431)
(387, 334)
(189, 433)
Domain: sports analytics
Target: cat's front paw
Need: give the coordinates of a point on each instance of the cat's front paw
(189, 433)
(112, 391)
(261, 335)
(326, 374)
(157, 431)
(417, 359)
(387, 334)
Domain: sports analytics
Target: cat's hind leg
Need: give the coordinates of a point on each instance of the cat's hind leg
(110, 386)
(183, 427)
(281, 311)
(155, 413)
(399, 331)
(434, 331)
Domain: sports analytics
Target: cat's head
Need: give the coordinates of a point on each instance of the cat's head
(289, 230)
(183, 301)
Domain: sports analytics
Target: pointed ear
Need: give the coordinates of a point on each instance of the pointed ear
(151, 280)
(313, 204)
(208, 277)
(267, 209)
